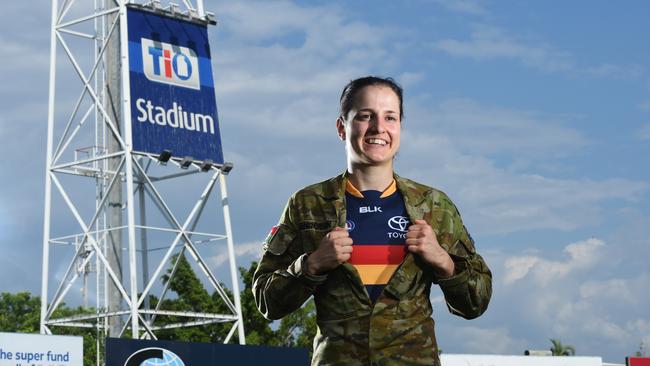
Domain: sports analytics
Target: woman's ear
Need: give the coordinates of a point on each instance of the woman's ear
(340, 128)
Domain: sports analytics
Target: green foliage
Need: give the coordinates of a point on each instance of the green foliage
(559, 349)
(20, 313)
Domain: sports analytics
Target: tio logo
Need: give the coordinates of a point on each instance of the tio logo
(170, 64)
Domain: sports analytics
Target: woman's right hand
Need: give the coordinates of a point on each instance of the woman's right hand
(333, 250)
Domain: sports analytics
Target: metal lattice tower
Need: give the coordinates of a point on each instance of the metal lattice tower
(122, 224)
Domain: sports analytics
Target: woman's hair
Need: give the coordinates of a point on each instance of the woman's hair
(350, 92)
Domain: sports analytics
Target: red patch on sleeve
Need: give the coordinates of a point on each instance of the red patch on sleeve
(271, 234)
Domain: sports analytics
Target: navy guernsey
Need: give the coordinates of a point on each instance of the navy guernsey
(377, 223)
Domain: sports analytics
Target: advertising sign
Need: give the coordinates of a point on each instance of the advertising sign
(129, 352)
(19, 349)
(637, 361)
(496, 360)
(173, 106)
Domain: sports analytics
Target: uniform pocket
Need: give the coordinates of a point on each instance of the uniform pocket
(311, 233)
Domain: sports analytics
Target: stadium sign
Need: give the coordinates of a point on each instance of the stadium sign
(172, 100)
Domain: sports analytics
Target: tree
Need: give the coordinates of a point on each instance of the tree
(559, 349)
(20, 313)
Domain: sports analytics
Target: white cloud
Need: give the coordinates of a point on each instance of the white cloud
(581, 255)
(616, 71)
(472, 7)
(644, 106)
(644, 132)
(480, 340)
(498, 200)
(490, 42)
(497, 130)
(242, 251)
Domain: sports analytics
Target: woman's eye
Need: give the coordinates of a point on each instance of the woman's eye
(363, 117)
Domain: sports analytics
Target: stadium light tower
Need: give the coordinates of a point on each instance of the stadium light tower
(114, 187)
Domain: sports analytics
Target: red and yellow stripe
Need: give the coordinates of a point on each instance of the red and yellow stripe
(376, 263)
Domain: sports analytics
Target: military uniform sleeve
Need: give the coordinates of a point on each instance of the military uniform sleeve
(468, 292)
(281, 283)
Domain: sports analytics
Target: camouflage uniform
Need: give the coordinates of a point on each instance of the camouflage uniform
(398, 329)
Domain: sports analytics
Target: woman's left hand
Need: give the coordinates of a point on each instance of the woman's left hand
(421, 240)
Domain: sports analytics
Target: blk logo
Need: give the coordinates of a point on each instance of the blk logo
(170, 64)
(368, 209)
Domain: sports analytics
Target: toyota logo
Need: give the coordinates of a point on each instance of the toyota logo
(399, 223)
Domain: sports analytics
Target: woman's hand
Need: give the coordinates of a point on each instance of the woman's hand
(334, 249)
(421, 240)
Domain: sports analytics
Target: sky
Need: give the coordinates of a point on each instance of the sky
(534, 117)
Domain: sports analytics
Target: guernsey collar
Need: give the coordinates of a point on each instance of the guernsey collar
(351, 189)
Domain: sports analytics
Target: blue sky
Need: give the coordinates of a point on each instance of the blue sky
(534, 117)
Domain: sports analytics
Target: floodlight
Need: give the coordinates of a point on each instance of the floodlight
(164, 156)
(186, 162)
(206, 165)
(210, 17)
(226, 167)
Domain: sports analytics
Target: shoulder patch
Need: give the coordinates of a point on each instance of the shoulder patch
(271, 234)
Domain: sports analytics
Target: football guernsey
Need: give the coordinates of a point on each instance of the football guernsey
(377, 223)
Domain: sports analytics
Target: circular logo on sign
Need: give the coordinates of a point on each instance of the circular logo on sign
(154, 357)
(399, 223)
(350, 225)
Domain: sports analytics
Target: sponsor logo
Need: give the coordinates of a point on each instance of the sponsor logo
(350, 225)
(154, 356)
(175, 117)
(399, 223)
(394, 235)
(368, 209)
(170, 64)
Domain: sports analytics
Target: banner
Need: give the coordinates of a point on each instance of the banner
(173, 106)
(129, 352)
(497, 360)
(20, 349)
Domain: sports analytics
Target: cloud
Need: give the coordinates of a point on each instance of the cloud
(471, 7)
(489, 42)
(242, 251)
(644, 132)
(496, 194)
(584, 298)
(582, 255)
(480, 340)
(628, 72)
(501, 130)
(644, 106)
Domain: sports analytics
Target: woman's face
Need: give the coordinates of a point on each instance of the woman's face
(371, 129)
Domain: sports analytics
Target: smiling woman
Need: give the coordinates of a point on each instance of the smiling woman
(368, 244)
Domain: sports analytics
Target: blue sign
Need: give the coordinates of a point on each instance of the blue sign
(173, 106)
(131, 352)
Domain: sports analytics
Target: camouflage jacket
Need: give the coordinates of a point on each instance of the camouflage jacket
(398, 329)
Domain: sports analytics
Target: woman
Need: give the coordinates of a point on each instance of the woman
(368, 245)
